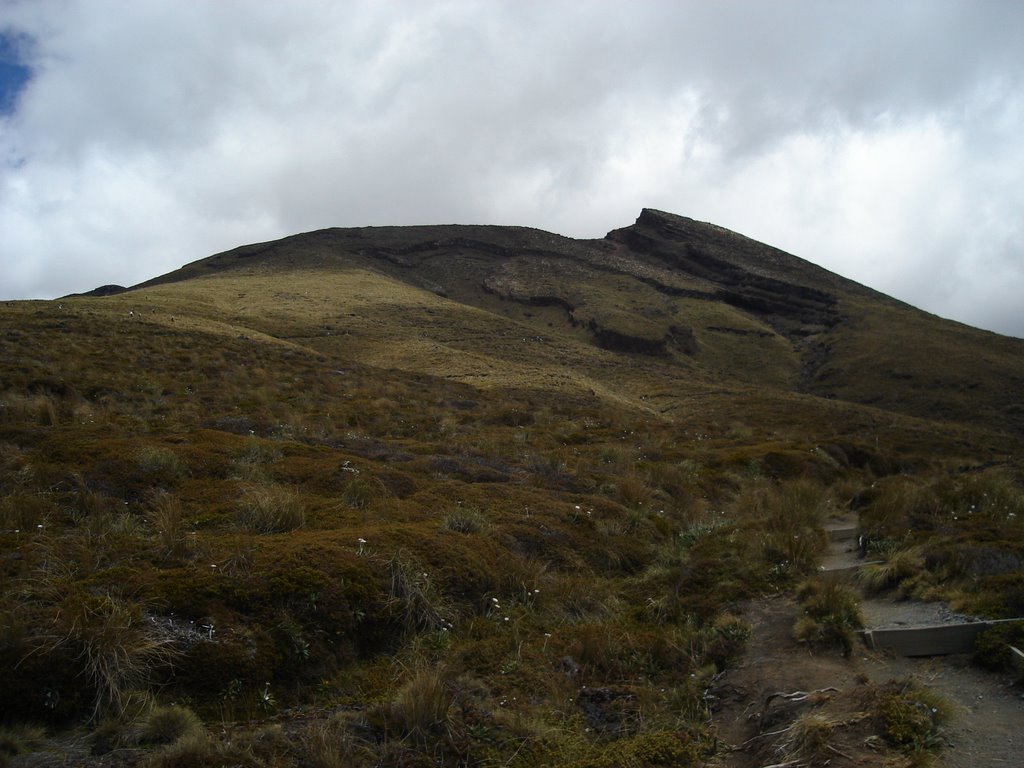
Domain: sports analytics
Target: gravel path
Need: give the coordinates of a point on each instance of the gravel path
(987, 727)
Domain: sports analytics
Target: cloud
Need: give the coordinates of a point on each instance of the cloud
(880, 140)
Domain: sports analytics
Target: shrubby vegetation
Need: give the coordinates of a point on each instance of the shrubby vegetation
(199, 529)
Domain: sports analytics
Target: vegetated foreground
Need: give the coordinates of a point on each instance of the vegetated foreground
(233, 535)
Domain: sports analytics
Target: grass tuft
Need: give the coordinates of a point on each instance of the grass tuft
(911, 715)
(465, 519)
(831, 614)
(414, 599)
(118, 651)
(270, 509)
(167, 724)
(422, 707)
(899, 565)
(168, 518)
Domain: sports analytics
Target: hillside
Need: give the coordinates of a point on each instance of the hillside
(687, 299)
(470, 495)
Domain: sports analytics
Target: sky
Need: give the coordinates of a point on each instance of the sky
(881, 140)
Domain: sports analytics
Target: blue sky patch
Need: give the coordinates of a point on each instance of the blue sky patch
(13, 74)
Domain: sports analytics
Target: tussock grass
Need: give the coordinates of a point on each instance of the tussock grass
(897, 567)
(167, 516)
(807, 740)
(34, 410)
(831, 614)
(116, 650)
(422, 707)
(160, 461)
(332, 744)
(465, 519)
(270, 509)
(414, 599)
(165, 724)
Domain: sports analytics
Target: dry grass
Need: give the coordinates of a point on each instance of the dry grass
(422, 707)
(831, 614)
(168, 518)
(270, 509)
(898, 566)
(612, 504)
(168, 724)
(115, 649)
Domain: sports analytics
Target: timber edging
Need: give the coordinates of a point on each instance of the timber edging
(934, 640)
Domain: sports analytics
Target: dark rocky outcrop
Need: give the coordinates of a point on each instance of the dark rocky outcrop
(103, 290)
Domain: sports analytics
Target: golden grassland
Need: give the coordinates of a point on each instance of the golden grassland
(353, 522)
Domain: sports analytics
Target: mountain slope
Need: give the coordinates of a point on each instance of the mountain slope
(475, 495)
(683, 300)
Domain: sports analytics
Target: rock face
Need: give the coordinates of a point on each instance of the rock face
(738, 271)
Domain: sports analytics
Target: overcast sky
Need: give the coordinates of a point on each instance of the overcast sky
(881, 140)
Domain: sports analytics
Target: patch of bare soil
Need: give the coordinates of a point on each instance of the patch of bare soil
(822, 690)
(825, 717)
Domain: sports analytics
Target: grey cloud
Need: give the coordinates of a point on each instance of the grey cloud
(156, 132)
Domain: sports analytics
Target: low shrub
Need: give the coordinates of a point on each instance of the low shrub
(646, 750)
(725, 640)
(911, 714)
(992, 647)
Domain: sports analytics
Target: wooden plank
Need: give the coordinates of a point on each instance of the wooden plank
(1018, 659)
(936, 640)
(841, 534)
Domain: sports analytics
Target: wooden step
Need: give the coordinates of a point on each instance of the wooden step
(934, 640)
(848, 533)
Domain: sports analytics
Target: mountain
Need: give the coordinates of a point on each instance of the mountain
(470, 495)
(691, 303)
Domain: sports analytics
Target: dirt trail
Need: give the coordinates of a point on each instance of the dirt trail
(987, 728)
